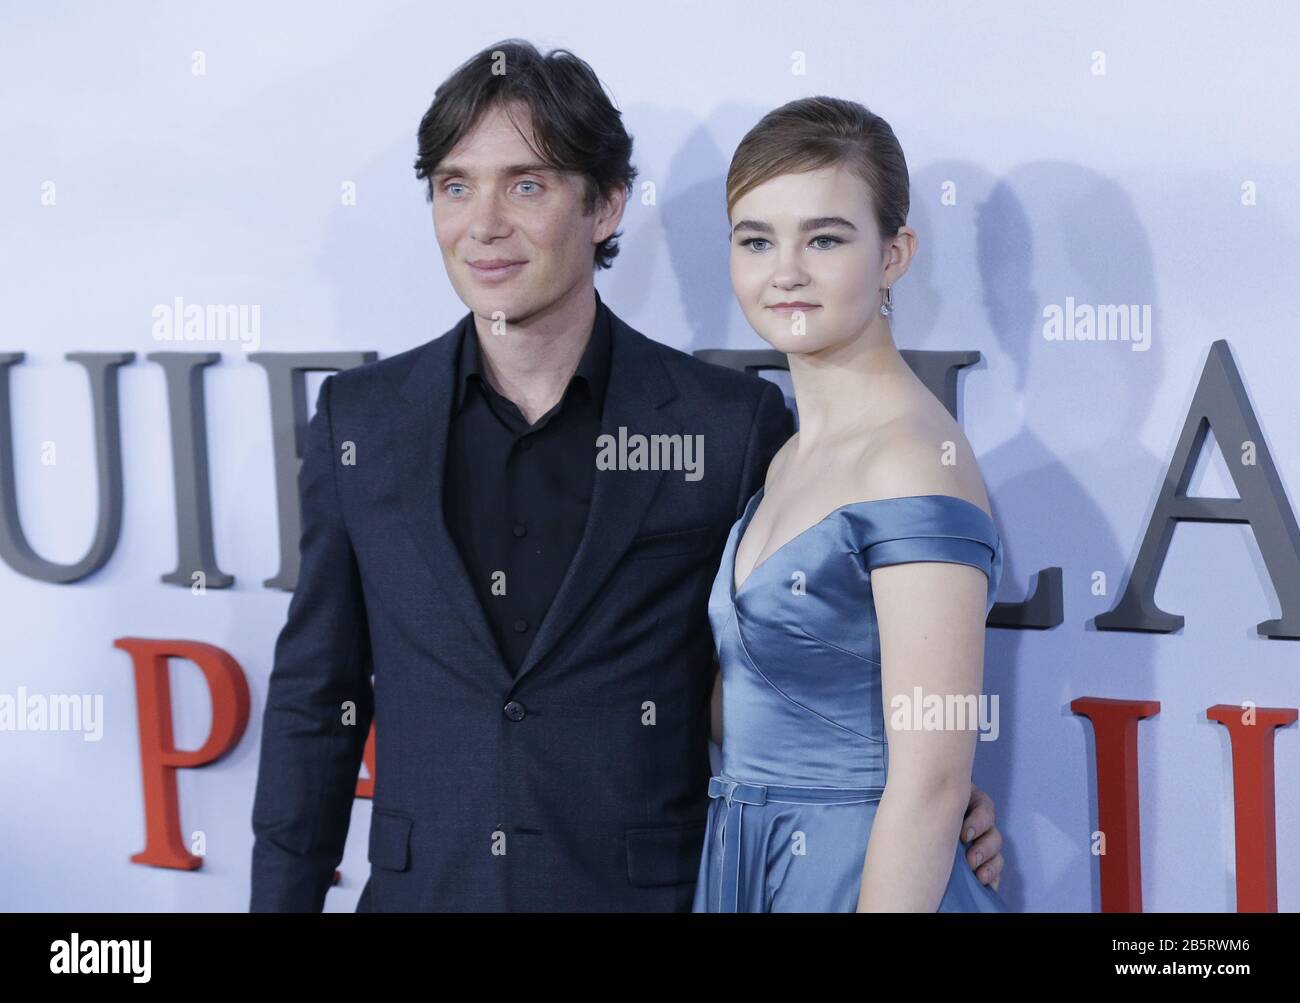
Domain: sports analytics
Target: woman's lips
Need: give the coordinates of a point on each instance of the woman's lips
(792, 307)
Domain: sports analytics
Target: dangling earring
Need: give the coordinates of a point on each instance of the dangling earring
(887, 303)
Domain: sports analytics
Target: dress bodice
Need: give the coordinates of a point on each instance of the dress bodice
(799, 644)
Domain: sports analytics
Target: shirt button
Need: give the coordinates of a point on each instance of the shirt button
(520, 626)
(514, 710)
(521, 529)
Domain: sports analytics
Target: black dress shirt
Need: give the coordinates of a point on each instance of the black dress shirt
(516, 496)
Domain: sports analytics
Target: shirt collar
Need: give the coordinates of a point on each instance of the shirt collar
(592, 371)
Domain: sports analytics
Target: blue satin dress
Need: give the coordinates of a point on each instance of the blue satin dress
(804, 753)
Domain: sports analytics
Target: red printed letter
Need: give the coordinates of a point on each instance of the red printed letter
(1250, 730)
(1114, 725)
(159, 757)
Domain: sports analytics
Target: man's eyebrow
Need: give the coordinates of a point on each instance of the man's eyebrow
(817, 223)
(533, 167)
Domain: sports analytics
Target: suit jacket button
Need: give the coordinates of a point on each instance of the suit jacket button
(515, 710)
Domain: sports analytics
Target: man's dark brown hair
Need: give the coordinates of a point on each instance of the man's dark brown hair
(573, 119)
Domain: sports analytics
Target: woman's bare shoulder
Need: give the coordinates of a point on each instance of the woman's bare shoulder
(921, 453)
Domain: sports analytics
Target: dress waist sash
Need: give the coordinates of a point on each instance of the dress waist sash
(738, 794)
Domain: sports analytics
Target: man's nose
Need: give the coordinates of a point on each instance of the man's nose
(489, 220)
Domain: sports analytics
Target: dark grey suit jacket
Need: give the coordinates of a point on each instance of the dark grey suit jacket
(581, 782)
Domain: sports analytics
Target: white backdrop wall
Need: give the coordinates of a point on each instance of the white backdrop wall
(1123, 186)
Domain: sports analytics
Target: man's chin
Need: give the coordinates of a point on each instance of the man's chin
(513, 303)
(503, 305)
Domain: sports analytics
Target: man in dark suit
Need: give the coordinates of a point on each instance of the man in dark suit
(535, 622)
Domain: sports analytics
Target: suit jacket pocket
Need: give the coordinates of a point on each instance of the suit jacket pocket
(682, 541)
(664, 856)
(390, 840)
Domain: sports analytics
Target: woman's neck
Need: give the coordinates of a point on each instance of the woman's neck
(849, 388)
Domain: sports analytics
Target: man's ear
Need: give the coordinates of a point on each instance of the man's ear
(609, 214)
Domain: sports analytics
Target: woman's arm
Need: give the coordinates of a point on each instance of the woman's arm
(931, 618)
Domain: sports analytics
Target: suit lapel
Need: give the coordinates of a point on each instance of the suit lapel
(420, 424)
(638, 387)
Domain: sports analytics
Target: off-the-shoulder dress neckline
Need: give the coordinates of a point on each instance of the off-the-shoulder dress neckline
(743, 524)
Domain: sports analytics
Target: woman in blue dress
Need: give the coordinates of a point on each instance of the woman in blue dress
(848, 612)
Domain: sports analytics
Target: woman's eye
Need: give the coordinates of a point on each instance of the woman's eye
(822, 243)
